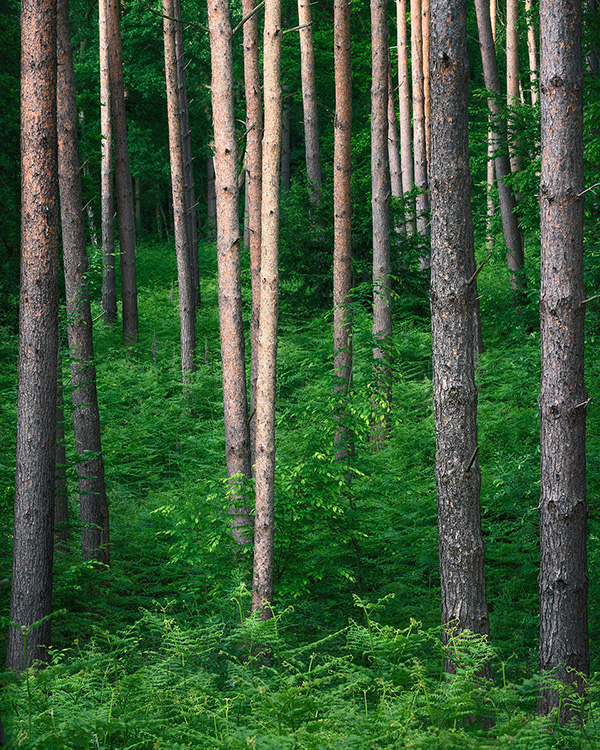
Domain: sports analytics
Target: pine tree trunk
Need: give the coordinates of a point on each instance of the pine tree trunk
(254, 130)
(563, 577)
(406, 156)
(235, 404)
(211, 198)
(61, 508)
(309, 101)
(33, 537)
(109, 278)
(512, 78)
(510, 223)
(342, 229)
(264, 521)
(453, 297)
(418, 99)
(93, 503)
(532, 53)
(187, 307)
(123, 184)
(491, 204)
(393, 141)
(380, 194)
(426, 85)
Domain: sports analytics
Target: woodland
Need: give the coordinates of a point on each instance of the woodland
(299, 365)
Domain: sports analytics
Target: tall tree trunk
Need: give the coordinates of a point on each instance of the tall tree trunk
(426, 85)
(491, 203)
(86, 417)
(532, 53)
(235, 404)
(404, 103)
(563, 575)
(309, 101)
(512, 78)
(188, 161)
(254, 130)
(510, 223)
(342, 228)
(418, 101)
(109, 278)
(264, 521)
(380, 193)
(393, 140)
(33, 538)
(211, 198)
(124, 190)
(61, 508)
(187, 307)
(453, 298)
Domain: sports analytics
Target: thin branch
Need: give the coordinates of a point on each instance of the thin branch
(296, 28)
(172, 18)
(477, 272)
(248, 17)
(472, 460)
(587, 190)
(589, 299)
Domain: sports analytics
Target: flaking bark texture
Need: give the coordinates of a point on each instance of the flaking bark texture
(309, 101)
(453, 297)
(187, 297)
(380, 195)
(254, 130)
(264, 521)
(418, 100)
(124, 191)
(235, 404)
(31, 583)
(404, 85)
(510, 224)
(563, 575)
(93, 503)
(342, 237)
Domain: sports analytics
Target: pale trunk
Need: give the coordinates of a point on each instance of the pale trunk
(404, 87)
(512, 78)
(393, 141)
(309, 101)
(532, 52)
(426, 96)
(491, 204)
(418, 99)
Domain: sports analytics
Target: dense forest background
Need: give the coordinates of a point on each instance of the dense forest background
(159, 649)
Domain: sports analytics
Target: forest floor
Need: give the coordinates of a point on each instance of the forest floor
(158, 651)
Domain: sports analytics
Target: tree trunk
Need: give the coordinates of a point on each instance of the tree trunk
(235, 404)
(563, 575)
(426, 93)
(187, 307)
(420, 154)
(61, 508)
(109, 279)
(342, 229)
(393, 141)
(512, 78)
(532, 52)
(31, 584)
(188, 161)
(309, 101)
(380, 193)
(124, 190)
(264, 522)
(405, 123)
(211, 198)
(510, 223)
(453, 297)
(491, 204)
(86, 417)
(254, 130)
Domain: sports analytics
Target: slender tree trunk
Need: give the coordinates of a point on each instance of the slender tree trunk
(532, 52)
(380, 193)
(109, 278)
(188, 161)
(491, 204)
(563, 575)
(453, 297)
(285, 149)
(254, 130)
(124, 190)
(33, 537)
(86, 417)
(405, 123)
(211, 197)
(342, 227)
(61, 509)
(418, 100)
(393, 141)
(426, 94)
(264, 522)
(510, 223)
(235, 404)
(187, 307)
(512, 78)
(309, 101)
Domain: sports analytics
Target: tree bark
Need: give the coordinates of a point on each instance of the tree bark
(109, 278)
(406, 156)
(426, 85)
(123, 184)
(563, 575)
(309, 101)
(235, 404)
(264, 522)
(513, 96)
(453, 298)
(418, 99)
(532, 53)
(491, 204)
(342, 227)
(393, 141)
(187, 307)
(254, 130)
(380, 193)
(33, 538)
(86, 417)
(510, 223)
